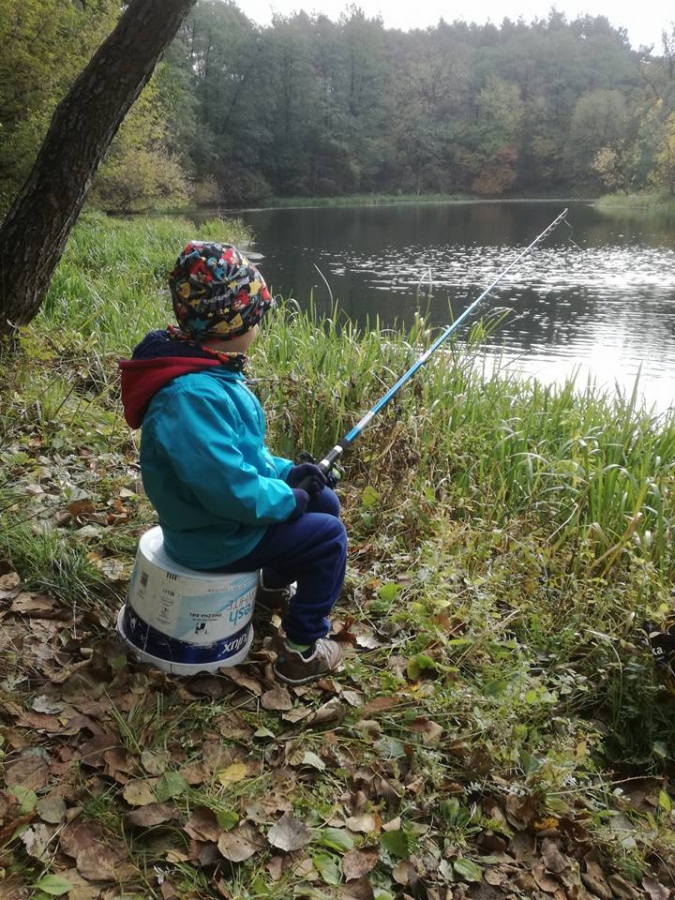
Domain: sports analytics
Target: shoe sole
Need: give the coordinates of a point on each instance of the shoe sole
(299, 681)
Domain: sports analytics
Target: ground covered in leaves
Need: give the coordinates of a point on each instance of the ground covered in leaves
(122, 782)
(452, 758)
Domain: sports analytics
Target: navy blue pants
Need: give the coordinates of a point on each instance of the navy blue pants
(311, 550)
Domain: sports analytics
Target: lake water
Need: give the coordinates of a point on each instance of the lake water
(595, 299)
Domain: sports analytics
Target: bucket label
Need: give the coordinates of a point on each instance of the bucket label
(200, 610)
(143, 637)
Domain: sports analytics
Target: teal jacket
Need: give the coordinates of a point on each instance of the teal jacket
(207, 471)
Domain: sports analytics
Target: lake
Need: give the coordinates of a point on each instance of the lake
(595, 299)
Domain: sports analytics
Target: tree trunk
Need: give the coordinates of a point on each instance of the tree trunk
(35, 231)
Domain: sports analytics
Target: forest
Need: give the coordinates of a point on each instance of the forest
(308, 107)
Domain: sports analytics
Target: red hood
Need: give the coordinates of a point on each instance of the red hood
(142, 378)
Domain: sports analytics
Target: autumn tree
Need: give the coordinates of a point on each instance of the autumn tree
(34, 233)
(43, 52)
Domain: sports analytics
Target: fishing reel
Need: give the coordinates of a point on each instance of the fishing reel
(333, 475)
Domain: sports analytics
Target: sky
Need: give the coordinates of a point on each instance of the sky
(644, 20)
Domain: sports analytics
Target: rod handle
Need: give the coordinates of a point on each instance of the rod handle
(329, 460)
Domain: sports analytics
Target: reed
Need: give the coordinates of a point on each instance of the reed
(581, 464)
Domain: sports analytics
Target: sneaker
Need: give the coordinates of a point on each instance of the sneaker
(270, 599)
(295, 668)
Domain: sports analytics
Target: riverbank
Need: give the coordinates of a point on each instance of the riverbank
(499, 727)
(658, 201)
(643, 200)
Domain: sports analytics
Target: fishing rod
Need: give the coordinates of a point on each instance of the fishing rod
(329, 460)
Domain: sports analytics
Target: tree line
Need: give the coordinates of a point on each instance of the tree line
(309, 107)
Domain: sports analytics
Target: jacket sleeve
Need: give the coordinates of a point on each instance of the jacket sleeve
(283, 466)
(202, 434)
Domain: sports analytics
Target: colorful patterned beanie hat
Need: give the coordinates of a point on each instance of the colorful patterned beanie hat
(216, 292)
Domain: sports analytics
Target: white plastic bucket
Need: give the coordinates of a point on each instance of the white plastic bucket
(183, 621)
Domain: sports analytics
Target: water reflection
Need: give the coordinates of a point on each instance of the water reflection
(597, 299)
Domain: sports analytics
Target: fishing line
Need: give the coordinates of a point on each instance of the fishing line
(329, 460)
(569, 236)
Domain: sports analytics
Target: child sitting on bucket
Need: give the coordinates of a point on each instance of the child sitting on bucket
(223, 501)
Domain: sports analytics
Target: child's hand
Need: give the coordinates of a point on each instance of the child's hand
(308, 477)
(301, 502)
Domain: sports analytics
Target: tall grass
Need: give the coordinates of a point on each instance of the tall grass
(581, 465)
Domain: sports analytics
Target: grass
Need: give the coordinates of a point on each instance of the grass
(506, 542)
(658, 201)
(364, 200)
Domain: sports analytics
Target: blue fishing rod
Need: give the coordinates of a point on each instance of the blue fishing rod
(329, 460)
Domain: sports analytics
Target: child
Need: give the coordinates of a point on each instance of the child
(223, 501)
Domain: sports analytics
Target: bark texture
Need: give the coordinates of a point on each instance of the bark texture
(35, 230)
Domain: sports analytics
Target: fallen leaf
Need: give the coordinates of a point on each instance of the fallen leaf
(526, 882)
(51, 809)
(331, 713)
(431, 732)
(353, 698)
(364, 824)
(53, 885)
(553, 859)
(621, 888)
(39, 722)
(171, 784)
(381, 704)
(138, 793)
(82, 507)
(311, 759)
(655, 890)
(155, 762)
(367, 641)
(357, 863)
(232, 774)
(240, 678)
(115, 570)
(495, 877)
(545, 881)
(37, 839)
(39, 606)
(198, 773)
(203, 825)
(96, 859)
(357, 890)
(121, 765)
(151, 815)
(304, 870)
(403, 871)
(289, 833)
(240, 844)
(31, 771)
(594, 880)
(14, 889)
(44, 704)
(9, 585)
(297, 714)
(521, 810)
(278, 698)
(206, 685)
(275, 867)
(80, 888)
